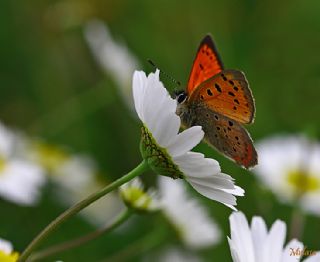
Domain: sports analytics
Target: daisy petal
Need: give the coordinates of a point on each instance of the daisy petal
(185, 141)
(195, 165)
(5, 246)
(290, 254)
(138, 91)
(237, 191)
(213, 193)
(275, 240)
(164, 135)
(219, 181)
(259, 235)
(241, 237)
(314, 257)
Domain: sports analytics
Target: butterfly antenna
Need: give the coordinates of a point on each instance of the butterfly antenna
(164, 73)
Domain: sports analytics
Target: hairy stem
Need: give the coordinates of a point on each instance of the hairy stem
(78, 207)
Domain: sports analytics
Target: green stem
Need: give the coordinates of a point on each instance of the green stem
(83, 239)
(79, 206)
(297, 223)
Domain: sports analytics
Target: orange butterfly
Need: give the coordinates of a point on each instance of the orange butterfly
(220, 101)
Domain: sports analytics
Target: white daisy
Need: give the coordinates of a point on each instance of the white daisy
(113, 56)
(199, 232)
(20, 180)
(290, 167)
(256, 244)
(7, 254)
(137, 198)
(167, 151)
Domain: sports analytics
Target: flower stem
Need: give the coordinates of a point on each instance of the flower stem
(297, 223)
(83, 239)
(79, 206)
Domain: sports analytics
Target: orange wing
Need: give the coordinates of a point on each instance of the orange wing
(227, 93)
(206, 64)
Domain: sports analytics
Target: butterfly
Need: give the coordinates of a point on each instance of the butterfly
(221, 102)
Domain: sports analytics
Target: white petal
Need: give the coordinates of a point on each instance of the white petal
(313, 258)
(241, 237)
(259, 234)
(275, 240)
(138, 87)
(166, 128)
(218, 181)
(237, 191)
(21, 181)
(213, 193)
(7, 139)
(5, 246)
(289, 253)
(185, 141)
(233, 250)
(150, 92)
(159, 109)
(195, 165)
(155, 107)
(310, 202)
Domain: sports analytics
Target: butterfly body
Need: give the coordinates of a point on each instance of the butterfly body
(219, 101)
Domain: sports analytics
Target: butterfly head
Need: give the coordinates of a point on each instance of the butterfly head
(182, 107)
(180, 96)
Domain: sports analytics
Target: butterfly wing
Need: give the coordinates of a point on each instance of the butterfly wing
(226, 135)
(206, 64)
(227, 93)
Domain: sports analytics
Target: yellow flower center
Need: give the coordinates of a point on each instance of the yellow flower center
(2, 164)
(13, 257)
(50, 156)
(136, 198)
(303, 182)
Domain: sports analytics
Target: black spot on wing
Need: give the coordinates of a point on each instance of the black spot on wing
(218, 87)
(209, 92)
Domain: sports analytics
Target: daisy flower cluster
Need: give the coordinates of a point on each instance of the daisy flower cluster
(290, 167)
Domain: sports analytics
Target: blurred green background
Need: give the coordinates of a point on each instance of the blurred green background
(52, 88)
